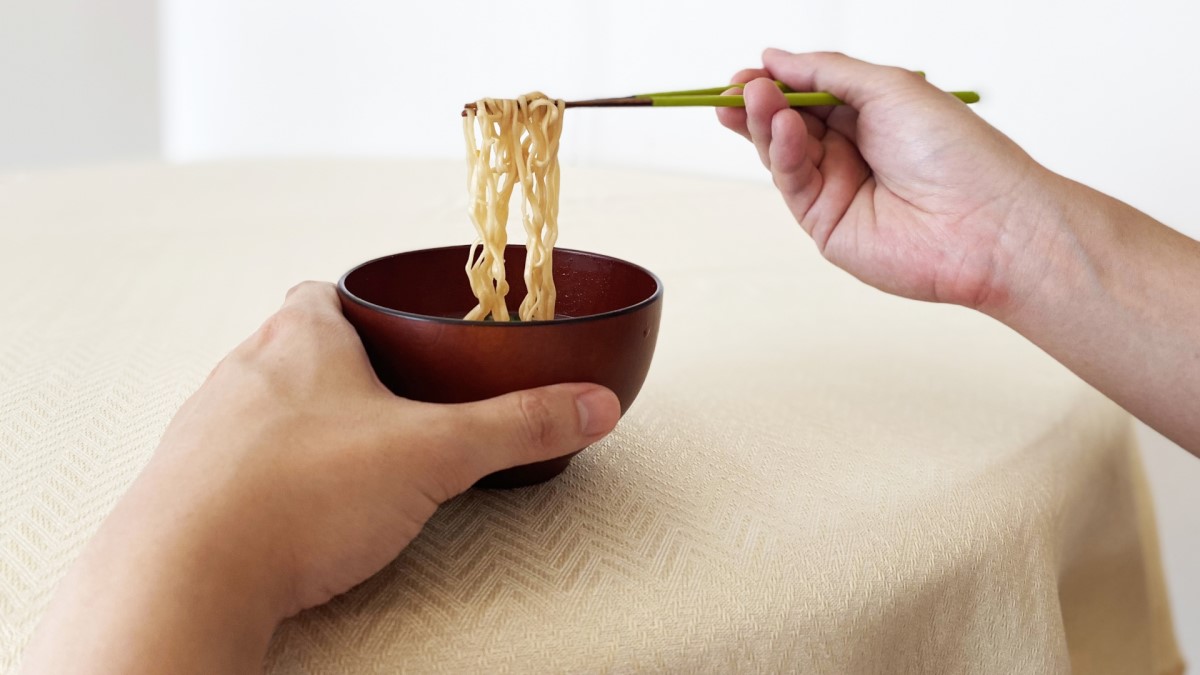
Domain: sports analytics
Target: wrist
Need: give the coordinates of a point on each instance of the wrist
(1109, 292)
(1045, 256)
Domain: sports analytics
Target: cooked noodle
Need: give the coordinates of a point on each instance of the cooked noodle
(517, 142)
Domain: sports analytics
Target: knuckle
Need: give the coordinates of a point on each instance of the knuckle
(537, 419)
(285, 322)
(288, 324)
(304, 285)
(903, 74)
(778, 181)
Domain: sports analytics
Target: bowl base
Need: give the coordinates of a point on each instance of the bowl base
(526, 475)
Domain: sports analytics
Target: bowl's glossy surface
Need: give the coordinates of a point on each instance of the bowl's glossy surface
(407, 309)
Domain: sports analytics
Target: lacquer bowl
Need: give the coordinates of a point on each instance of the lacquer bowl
(408, 310)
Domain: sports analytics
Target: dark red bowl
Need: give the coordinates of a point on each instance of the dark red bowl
(407, 309)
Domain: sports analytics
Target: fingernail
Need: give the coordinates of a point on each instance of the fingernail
(593, 411)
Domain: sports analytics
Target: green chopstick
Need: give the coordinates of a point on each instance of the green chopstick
(795, 100)
(707, 91)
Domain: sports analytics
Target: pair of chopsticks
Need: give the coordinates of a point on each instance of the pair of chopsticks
(714, 97)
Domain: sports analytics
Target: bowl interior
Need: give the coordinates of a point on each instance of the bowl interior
(433, 283)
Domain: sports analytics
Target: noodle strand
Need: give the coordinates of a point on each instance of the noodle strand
(512, 141)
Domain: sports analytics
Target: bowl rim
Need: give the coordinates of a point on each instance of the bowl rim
(650, 300)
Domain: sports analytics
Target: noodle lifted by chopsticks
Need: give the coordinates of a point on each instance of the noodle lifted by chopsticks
(517, 142)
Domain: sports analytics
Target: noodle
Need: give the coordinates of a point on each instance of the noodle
(517, 143)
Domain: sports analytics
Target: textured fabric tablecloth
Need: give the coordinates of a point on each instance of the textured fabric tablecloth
(817, 477)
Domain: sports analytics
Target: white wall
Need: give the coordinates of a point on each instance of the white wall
(78, 81)
(383, 78)
(1099, 90)
(1092, 88)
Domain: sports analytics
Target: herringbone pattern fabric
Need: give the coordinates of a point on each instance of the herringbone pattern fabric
(816, 477)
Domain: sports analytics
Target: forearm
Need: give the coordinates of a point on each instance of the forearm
(1115, 296)
(146, 597)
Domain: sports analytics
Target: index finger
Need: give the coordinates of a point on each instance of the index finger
(855, 82)
(735, 118)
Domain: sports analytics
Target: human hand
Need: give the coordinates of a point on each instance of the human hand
(908, 190)
(904, 187)
(290, 476)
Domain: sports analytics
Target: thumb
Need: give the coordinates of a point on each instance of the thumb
(530, 426)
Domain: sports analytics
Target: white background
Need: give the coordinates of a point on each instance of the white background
(1102, 91)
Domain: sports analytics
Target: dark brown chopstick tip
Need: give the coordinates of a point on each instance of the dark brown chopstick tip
(624, 101)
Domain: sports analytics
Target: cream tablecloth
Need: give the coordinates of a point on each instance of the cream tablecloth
(817, 477)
